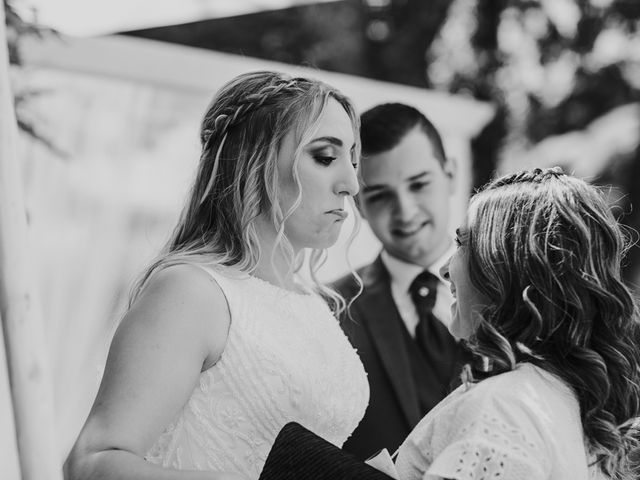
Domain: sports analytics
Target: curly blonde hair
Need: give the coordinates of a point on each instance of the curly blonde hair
(546, 252)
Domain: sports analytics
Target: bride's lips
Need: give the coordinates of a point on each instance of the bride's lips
(339, 213)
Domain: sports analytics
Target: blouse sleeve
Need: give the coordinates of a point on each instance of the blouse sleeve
(500, 437)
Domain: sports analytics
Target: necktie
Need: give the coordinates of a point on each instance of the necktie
(438, 346)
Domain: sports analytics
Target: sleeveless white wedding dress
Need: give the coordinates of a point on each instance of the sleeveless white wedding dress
(286, 359)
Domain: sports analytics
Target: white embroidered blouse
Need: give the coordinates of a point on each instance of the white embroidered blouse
(523, 424)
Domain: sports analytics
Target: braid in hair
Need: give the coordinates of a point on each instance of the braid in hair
(216, 130)
(546, 251)
(233, 115)
(237, 178)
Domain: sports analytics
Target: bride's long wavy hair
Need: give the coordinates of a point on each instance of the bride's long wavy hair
(546, 251)
(237, 177)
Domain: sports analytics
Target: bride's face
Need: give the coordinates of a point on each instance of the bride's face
(326, 173)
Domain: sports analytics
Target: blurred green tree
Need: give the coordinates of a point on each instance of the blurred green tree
(551, 67)
(17, 29)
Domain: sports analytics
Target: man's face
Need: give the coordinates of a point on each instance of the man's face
(405, 198)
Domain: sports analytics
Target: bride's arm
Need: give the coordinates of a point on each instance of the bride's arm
(178, 324)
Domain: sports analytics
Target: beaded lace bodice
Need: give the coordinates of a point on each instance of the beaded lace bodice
(523, 424)
(286, 359)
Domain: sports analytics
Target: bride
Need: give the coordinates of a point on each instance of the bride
(221, 345)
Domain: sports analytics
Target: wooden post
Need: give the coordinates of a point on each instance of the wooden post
(26, 352)
(9, 463)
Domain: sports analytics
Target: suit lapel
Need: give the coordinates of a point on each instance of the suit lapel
(381, 317)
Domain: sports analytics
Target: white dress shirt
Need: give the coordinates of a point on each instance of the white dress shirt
(403, 274)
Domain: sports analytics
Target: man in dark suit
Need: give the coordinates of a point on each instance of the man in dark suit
(399, 322)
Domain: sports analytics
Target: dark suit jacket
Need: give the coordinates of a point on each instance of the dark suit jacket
(375, 329)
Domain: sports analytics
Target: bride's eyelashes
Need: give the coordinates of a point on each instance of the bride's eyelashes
(324, 160)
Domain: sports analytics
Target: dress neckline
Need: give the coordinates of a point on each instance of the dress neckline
(303, 291)
(232, 272)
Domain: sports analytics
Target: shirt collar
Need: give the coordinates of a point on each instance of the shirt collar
(403, 273)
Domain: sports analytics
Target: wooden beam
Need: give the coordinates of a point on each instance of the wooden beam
(201, 71)
(9, 466)
(30, 384)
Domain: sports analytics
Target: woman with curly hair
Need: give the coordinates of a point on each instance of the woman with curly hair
(540, 303)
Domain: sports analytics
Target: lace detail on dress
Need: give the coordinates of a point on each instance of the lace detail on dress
(485, 448)
(490, 445)
(523, 424)
(286, 359)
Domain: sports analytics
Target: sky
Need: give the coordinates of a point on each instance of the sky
(85, 18)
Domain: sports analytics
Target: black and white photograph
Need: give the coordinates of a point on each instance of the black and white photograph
(320, 240)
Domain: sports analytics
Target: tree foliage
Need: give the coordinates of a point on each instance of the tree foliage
(554, 66)
(551, 67)
(17, 29)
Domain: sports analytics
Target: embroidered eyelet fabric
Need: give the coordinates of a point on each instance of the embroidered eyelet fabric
(520, 425)
(286, 359)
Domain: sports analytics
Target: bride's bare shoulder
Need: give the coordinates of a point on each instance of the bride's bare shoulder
(186, 297)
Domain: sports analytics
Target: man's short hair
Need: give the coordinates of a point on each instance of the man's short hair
(384, 126)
